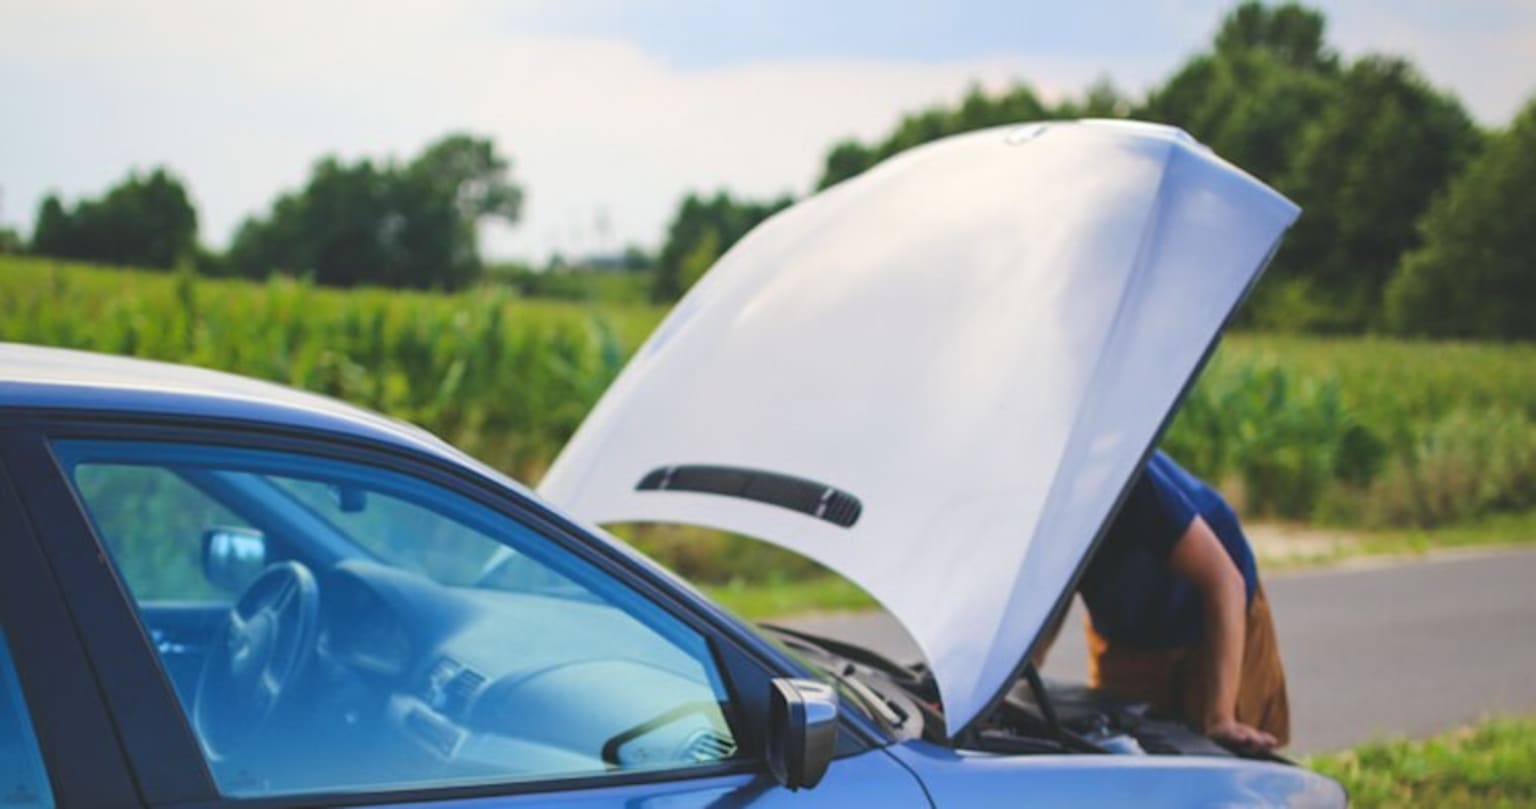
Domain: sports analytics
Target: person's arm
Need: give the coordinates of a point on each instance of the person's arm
(1199, 557)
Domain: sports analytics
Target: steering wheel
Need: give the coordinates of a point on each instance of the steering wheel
(265, 645)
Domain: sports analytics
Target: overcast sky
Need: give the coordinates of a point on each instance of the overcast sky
(610, 109)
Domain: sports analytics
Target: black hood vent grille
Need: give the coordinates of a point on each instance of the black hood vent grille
(826, 503)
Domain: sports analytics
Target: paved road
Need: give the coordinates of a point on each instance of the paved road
(1411, 649)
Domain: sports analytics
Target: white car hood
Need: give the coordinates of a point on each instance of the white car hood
(937, 378)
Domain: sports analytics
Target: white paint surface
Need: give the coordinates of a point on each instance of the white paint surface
(979, 339)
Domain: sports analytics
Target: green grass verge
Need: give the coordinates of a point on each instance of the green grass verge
(757, 601)
(1490, 765)
(1341, 546)
(822, 591)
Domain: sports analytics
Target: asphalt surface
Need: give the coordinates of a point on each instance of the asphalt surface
(1404, 649)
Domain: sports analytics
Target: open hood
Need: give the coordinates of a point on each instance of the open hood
(938, 378)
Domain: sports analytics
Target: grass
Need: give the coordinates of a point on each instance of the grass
(822, 591)
(1363, 431)
(1492, 764)
(1399, 437)
(1387, 380)
(1301, 547)
(504, 378)
(761, 600)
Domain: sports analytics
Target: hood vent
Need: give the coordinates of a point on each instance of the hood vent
(808, 497)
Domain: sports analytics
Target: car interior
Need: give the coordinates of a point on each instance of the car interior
(332, 627)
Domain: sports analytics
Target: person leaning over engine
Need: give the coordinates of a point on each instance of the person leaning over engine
(1177, 617)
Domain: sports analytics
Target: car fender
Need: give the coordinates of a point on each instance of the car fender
(958, 778)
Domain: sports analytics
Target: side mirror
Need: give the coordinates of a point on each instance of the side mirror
(802, 731)
(233, 557)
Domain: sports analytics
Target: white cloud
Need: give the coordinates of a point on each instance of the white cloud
(1483, 51)
(241, 98)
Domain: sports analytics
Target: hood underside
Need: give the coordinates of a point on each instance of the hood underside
(937, 378)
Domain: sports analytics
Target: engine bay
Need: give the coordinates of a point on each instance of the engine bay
(1037, 717)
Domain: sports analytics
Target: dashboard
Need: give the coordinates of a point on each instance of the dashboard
(480, 683)
(361, 632)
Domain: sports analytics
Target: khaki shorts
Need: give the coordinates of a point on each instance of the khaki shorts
(1173, 680)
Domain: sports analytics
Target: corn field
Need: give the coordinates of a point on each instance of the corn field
(1347, 431)
(504, 379)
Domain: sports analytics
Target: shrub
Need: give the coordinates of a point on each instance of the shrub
(1465, 464)
(1475, 275)
(1283, 437)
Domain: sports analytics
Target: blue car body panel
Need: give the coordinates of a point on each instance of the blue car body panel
(962, 778)
(61, 379)
(872, 779)
(53, 379)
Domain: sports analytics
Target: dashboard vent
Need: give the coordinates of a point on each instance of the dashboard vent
(458, 691)
(451, 686)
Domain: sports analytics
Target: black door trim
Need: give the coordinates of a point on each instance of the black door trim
(79, 742)
(165, 755)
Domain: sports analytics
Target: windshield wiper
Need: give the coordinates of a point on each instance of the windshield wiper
(888, 709)
(848, 651)
(828, 658)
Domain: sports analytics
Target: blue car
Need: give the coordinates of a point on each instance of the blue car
(936, 379)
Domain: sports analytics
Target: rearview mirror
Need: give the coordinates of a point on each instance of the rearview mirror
(233, 557)
(802, 731)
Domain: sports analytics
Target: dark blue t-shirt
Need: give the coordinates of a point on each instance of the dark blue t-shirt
(1132, 595)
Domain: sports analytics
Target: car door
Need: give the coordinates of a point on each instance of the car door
(57, 745)
(371, 656)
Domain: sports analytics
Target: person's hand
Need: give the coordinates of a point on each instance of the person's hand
(1238, 736)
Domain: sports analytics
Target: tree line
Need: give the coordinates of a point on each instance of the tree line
(385, 223)
(1414, 220)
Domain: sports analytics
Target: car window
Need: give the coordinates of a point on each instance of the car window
(405, 534)
(380, 631)
(151, 519)
(23, 780)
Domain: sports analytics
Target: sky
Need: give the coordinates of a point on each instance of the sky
(610, 110)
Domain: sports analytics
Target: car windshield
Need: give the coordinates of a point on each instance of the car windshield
(405, 534)
(328, 627)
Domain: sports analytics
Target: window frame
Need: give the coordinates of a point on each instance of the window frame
(139, 692)
(73, 730)
(186, 461)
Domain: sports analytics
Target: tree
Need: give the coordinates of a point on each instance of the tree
(10, 242)
(1292, 33)
(977, 110)
(51, 234)
(144, 221)
(1267, 76)
(1101, 100)
(1475, 273)
(699, 258)
(848, 158)
(411, 225)
(1364, 173)
(1363, 149)
(701, 231)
